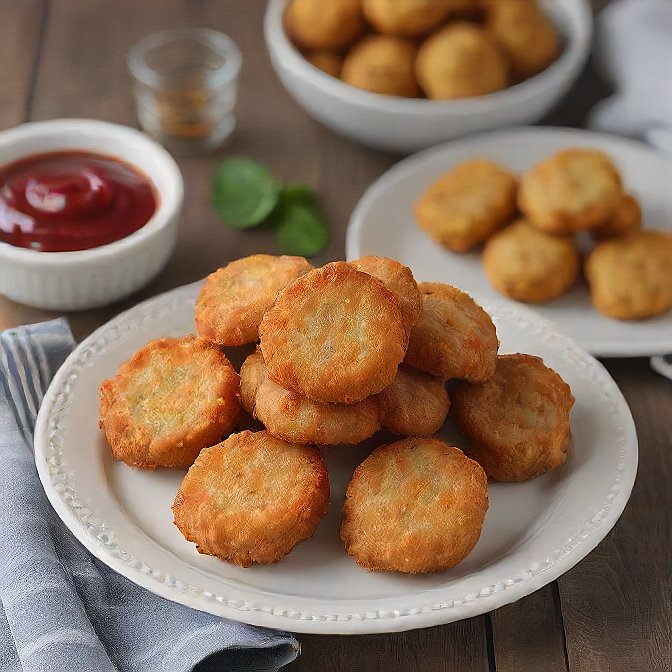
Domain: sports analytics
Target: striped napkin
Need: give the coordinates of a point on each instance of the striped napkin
(61, 609)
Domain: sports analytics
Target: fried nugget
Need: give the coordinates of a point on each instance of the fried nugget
(417, 505)
(172, 398)
(315, 24)
(630, 277)
(252, 498)
(382, 64)
(416, 404)
(628, 218)
(573, 190)
(252, 375)
(327, 61)
(526, 33)
(529, 265)
(398, 279)
(335, 335)
(234, 298)
(518, 420)
(407, 17)
(454, 337)
(462, 208)
(460, 61)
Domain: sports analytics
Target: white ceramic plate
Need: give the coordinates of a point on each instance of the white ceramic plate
(533, 532)
(383, 224)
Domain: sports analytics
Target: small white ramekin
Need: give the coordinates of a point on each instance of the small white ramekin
(101, 275)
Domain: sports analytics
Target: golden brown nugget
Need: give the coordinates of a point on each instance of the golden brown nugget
(407, 17)
(526, 33)
(518, 420)
(454, 337)
(234, 298)
(297, 419)
(573, 190)
(460, 61)
(252, 498)
(335, 335)
(172, 398)
(464, 207)
(382, 64)
(398, 279)
(529, 265)
(416, 404)
(417, 505)
(628, 218)
(630, 277)
(327, 61)
(252, 375)
(315, 24)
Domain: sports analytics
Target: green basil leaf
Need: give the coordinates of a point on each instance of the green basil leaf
(244, 192)
(301, 231)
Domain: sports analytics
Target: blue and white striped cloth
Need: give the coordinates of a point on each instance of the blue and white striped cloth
(61, 609)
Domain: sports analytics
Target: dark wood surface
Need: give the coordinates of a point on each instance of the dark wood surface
(612, 611)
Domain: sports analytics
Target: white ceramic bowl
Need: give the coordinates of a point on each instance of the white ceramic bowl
(407, 125)
(101, 275)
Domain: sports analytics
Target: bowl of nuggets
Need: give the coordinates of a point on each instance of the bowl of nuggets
(332, 356)
(404, 75)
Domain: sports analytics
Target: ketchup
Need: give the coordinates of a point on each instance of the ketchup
(70, 200)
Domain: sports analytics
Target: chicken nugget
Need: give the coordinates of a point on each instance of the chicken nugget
(327, 61)
(172, 398)
(234, 298)
(252, 375)
(416, 404)
(398, 279)
(630, 277)
(526, 33)
(454, 337)
(460, 61)
(407, 17)
(417, 505)
(529, 265)
(315, 24)
(335, 335)
(382, 64)
(252, 498)
(573, 190)
(518, 419)
(628, 218)
(464, 207)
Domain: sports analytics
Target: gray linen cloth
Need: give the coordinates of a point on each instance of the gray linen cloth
(61, 609)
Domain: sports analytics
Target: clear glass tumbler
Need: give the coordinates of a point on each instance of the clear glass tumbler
(185, 84)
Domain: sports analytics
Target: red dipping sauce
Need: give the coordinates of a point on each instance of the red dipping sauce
(69, 200)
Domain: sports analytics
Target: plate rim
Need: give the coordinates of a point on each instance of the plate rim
(598, 347)
(64, 501)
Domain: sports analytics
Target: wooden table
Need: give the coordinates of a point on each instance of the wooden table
(61, 58)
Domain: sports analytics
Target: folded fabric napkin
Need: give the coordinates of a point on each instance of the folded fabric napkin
(61, 609)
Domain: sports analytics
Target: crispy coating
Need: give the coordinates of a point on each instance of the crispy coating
(526, 33)
(628, 218)
(315, 24)
(460, 61)
(573, 190)
(518, 420)
(252, 498)
(416, 404)
(407, 17)
(252, 375)
(398, 279)
(327, 61)
(529, 265)
(454, 337)
(335, 335)
(234, 298)
(630, 277)
(464, 207)
(172, 398)
(382, 64)
(417, 505)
